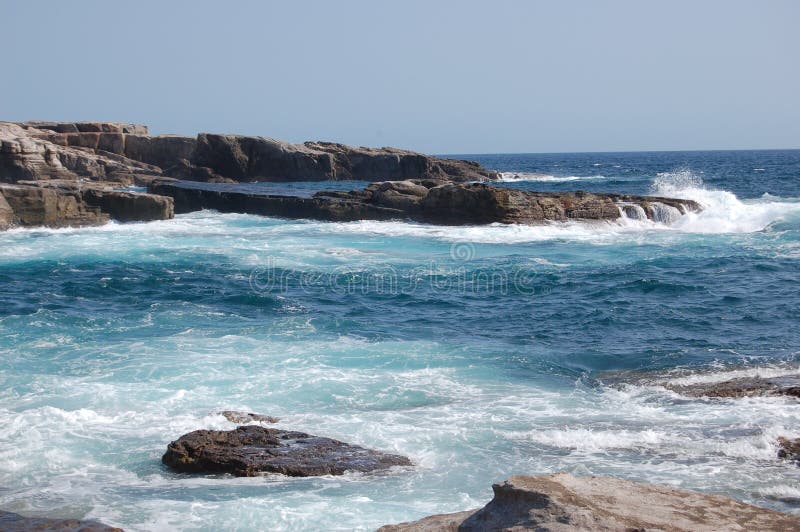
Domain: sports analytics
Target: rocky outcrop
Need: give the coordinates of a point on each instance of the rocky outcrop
(11, 522)
(251, 450)
(114, 151)
(71, 204)
(432, 201)
(29, 153)
(562, 502)
(788, 385)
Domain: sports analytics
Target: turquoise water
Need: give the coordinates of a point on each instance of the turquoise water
(479, 352)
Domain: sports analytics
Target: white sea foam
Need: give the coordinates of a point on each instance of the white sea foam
(711, 377)
(514, 177)
(722, 211)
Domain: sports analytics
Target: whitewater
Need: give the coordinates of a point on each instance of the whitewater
(115, 340)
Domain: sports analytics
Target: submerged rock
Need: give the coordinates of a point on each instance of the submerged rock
(234, 416)
(251, 450)
(742, 387)
(562, 502)
(11, 522)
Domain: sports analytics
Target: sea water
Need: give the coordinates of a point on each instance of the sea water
(478, 352)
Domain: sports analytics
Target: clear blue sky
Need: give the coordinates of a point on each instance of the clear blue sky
(435, 76)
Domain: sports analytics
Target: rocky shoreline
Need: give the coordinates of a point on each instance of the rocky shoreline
(57, 174)
(562, 502)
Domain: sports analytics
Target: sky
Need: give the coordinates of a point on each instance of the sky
(433, 76)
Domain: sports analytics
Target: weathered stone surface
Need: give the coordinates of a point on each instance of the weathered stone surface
(87, 127)
(108, 150)
(40, 206)
(251, 450)
(11, 522)
(561, 503)
(57, 203)
(788, 385)
(30, 153)
(130, 206)
(422, 200)
(234, 416)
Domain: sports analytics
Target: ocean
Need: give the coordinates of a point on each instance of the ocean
(478, 352)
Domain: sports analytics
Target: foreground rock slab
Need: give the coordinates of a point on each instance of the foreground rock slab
(60, 203)
(562, 502)
(251, 450)
(11, 522)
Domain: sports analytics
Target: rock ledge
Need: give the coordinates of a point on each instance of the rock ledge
(561, 503)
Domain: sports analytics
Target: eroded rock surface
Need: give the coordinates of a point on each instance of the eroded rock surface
(11, 522)
(251, 450)
(561, 503)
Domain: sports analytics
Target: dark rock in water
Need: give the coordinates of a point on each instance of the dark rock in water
(11, 522)
(429, 200)
(562, 503)
(57, 203)
(789, 449)
(245, 417)
(742, 387)
(251, 450)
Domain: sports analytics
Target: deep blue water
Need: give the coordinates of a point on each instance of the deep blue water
(479, 352)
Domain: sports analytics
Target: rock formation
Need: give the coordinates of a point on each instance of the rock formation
(565, 503)
(251, 450)
(432, 201)
(11, 522)
(67, 203)
(126, 152)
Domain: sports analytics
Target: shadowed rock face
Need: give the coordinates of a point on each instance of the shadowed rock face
(561, 503)
(252, 450)
(432, 201)
(11, 522)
